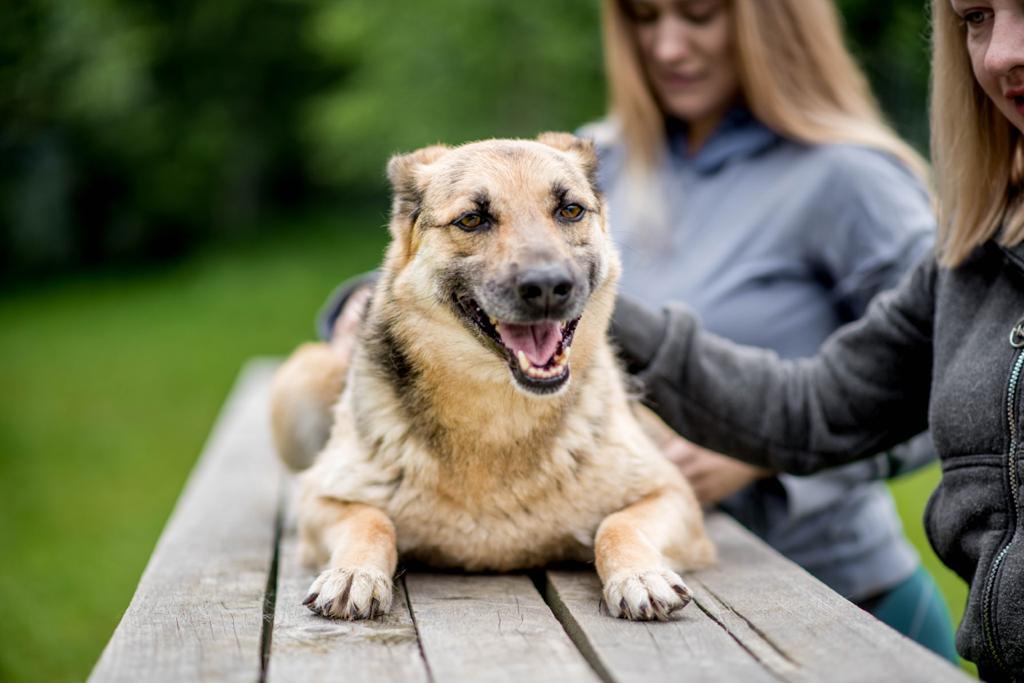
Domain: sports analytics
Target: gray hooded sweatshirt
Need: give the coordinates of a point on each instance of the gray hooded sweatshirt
(945, 351)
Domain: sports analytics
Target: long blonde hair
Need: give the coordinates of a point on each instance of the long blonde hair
(795, 73)
(978, 155)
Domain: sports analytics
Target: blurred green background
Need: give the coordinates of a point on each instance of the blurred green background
(180, 186)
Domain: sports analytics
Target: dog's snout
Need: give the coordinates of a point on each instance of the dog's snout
(545, 289)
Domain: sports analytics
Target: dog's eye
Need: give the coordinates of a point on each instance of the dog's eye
(470, 222)
(571, 212)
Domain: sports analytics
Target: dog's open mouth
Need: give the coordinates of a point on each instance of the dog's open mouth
(537, 353)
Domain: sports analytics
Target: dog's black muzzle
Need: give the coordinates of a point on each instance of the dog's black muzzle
(530, 316)
(545, 292)
(549, 291)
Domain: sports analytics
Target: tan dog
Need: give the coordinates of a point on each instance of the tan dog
(464, 436)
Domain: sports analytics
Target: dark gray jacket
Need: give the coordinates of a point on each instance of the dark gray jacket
(944, 350)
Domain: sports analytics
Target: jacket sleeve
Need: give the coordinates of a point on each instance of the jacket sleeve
(808, 495)
(879, 230)
(866, 390)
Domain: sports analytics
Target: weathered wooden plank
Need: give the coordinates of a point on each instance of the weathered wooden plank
(803, 630)
(306, 647)
(198, 611)
(693, 647)
(491, 628)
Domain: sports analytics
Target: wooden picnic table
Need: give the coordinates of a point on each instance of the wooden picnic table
(220, 600)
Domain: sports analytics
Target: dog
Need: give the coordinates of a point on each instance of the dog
(482, 421)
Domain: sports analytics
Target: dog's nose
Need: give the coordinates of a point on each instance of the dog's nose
(545, 289)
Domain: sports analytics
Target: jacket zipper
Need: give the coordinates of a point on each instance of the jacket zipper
(988, 619)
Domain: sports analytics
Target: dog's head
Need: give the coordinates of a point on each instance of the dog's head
(509, 237)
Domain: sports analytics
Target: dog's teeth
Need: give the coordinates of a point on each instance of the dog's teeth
(524, 363)
(539, 373)
(494, 321)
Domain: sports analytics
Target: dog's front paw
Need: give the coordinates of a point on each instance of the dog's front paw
(645, 595)
(359, 593)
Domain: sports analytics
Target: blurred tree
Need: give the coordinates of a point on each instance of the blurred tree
(419, 73)
(130, 128)
(136, 127)
(890, 40)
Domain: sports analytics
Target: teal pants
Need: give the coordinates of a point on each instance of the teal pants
(916, 609)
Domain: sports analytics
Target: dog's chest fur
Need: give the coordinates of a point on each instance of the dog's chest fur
(504, 525)
(466, 503)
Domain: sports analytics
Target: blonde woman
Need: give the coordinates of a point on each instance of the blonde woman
(749, 175)
(945, 350)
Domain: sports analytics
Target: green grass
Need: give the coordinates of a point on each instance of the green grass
(110, 385)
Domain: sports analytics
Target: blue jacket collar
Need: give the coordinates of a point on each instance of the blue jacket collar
(738, 136)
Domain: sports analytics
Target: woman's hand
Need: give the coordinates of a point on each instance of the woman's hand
(346, 327)
(713, 476)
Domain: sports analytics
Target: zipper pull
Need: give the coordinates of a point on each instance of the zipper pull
(1017, 335)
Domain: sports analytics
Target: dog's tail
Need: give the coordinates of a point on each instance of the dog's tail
(302, 396)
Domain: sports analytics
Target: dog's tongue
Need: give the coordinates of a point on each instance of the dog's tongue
(538, 341)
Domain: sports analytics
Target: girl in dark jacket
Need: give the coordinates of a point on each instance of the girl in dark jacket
(945, 350)
(776, 203)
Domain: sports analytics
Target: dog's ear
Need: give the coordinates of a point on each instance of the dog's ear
(581, 148)
(405, 174)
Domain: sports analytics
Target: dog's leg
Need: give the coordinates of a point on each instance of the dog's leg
(305, 388)
(359, 541)
(637, 548)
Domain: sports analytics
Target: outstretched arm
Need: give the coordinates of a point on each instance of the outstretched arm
(866, 391)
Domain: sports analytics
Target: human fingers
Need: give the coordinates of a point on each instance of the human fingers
(346, 327)
(354, 310)
(678, 450)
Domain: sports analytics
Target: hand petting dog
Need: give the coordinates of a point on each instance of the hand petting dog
(713, 476)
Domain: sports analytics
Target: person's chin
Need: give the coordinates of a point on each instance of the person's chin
(689, 107)
(1015, 114)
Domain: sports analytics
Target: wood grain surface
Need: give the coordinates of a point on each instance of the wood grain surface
(220, 600)
(197, 614)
